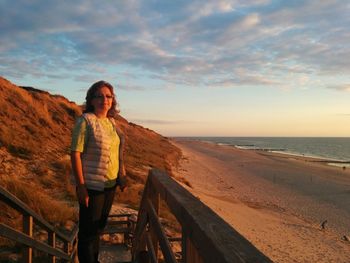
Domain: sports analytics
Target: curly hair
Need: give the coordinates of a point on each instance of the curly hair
(113, 111)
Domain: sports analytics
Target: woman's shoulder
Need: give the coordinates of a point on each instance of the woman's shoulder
(88, 116)
(116, 126)
(80, 119)
(80, 125)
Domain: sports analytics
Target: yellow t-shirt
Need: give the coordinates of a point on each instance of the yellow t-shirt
(79, 139)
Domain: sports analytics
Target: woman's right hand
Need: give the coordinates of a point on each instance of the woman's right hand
(83, 196)
(77, 167)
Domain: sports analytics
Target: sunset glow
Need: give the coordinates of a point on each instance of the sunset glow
(213, 68)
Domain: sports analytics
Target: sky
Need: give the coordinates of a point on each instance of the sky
(191, 68)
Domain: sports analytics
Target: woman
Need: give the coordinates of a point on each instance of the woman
(97, 164)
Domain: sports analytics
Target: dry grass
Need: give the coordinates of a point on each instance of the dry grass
(131, 195)
(35, 122)
(54, 211)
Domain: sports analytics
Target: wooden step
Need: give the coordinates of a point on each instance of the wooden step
(114, 253)
(115, 229)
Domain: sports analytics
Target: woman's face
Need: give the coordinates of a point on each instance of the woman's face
(102, 100)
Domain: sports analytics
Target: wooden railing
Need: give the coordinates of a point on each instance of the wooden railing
(67, 252)
(205, 236)
(121, 224)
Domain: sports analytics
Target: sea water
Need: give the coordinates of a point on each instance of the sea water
(329, 148)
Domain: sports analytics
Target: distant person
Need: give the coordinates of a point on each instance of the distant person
(97, 164)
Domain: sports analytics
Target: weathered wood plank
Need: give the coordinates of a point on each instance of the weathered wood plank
(27, 252)
(73, 236)
(74, 256)
(139, 240)
(118, 222)
(154, 198)
(151, 252)
(66, 249)
(163, 241)
(22, 238)
(183, 247)
(52, 243)
(120, 215)
(29, 218)
(21, 207)
(192, 255)
(116, 229)
(215, 240)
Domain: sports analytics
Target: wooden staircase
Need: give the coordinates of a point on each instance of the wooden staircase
(204, 237)
(57, 245)
(112, 252)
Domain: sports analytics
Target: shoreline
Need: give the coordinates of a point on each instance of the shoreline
(253, 191)
(285, 152)
(253, 147)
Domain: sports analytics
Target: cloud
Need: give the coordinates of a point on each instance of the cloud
(343, 114)
(192, 43)
(341, 87)
(245, 81)
(159, 122)
(131, 87)
(207, 8)
(250, 21)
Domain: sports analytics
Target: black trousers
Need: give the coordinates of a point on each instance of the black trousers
(92, 220)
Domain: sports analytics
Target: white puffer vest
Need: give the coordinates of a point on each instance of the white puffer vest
(95, 158)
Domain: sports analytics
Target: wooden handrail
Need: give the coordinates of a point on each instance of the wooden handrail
(26, 237)
(12, 201)
(205, 236)
(163, 240)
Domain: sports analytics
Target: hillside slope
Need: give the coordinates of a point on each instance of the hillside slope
(35, 134)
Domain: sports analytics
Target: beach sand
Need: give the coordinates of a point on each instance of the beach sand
(276, 201)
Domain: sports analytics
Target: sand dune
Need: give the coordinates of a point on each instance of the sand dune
(276, 201)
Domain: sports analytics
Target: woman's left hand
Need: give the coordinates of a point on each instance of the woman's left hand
(122, 180)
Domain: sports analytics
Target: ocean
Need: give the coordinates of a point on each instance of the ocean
(328, 148)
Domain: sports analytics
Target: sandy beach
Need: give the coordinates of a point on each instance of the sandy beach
(277, 202)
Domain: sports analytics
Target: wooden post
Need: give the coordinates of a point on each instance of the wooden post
(75, 249)
(183, 246)
(155, 200)
(192, 254)
(52, 242)
(66, 246)
(127, 235)
(27, 229)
